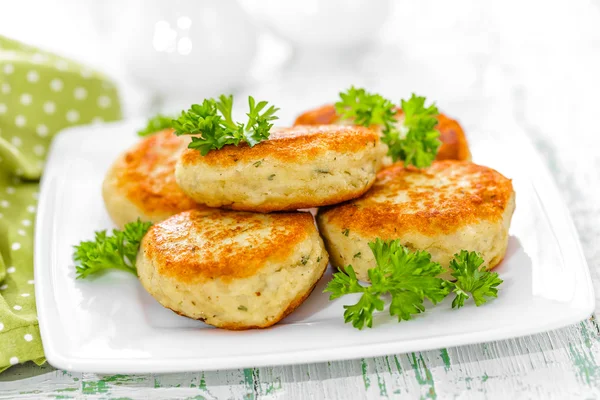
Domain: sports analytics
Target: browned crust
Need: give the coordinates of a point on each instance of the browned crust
(145, 174)
(428, 211)
(454, 142)
(296, 144)
(187, 247)
(323, 115)
(300, 202)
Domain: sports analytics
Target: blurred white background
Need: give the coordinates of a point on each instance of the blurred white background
(537, 61)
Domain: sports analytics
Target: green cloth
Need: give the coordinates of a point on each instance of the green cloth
(40, 94)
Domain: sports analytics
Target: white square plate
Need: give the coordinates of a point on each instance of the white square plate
(111, 325)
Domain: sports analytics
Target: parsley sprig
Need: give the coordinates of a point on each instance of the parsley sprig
(366, 108)
(156, 124)
(214, 126)
(410, 278)
(471, 279)
(106, 251)
(415, 142)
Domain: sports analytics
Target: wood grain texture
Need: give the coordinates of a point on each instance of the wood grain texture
(558, 364)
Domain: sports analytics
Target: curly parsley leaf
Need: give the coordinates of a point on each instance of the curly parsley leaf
(366, 109)
(156, 124)
(420, 141)
(106, 251)
(470, 279)
(409, 277)
(259, 125)
(213, 126)
(415, 141)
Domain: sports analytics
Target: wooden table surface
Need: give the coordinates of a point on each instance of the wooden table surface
(542, 81)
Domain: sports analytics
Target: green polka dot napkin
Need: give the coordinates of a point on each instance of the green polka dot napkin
(40, 94)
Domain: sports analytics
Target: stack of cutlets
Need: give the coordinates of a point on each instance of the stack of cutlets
(229, 247)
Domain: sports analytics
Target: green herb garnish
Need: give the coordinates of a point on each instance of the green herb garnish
(214, 127)
(156, 124)
(106, 251)
(419, 142)
(415, 141)
(410, 278)
(366, 108)
(470, 279)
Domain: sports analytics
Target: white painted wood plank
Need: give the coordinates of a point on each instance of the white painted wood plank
(559, 364)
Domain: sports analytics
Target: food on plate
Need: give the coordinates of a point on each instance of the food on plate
(141, 182)
(450, 206)
(410, 278)
(299, 167)
(405, 229)
(230, 269)
(363, 108)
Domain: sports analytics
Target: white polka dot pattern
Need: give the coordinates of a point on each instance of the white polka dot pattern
(62, 65)
(80, 93)
(40, 94)
(20, 120)
(16, 141)
(49, 107)
(103, 102)
(33, 76)
(72, 116)
(42, 130)
(26, 99)
(56, 85)
(38, 58)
